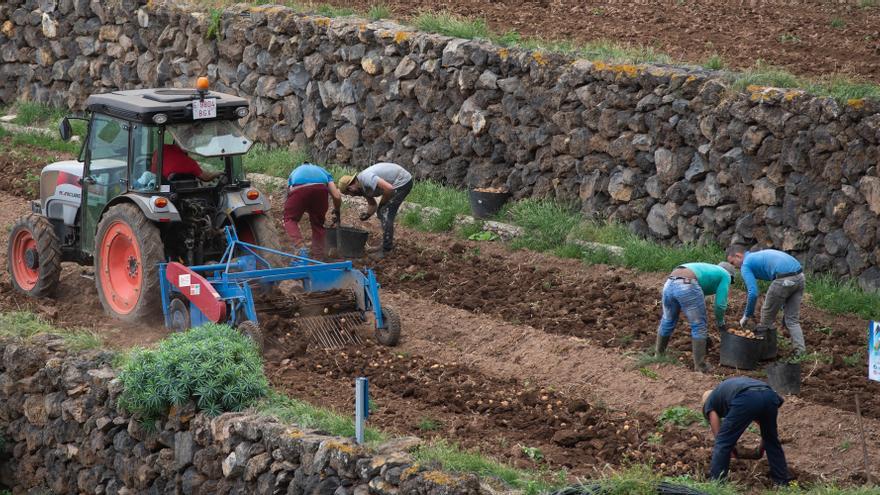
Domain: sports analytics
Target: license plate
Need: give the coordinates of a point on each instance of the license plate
(205, 109)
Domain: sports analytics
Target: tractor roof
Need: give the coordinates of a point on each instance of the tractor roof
(139, 105)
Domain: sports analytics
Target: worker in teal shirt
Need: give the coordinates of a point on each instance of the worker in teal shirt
(786, 290)
(684, 292)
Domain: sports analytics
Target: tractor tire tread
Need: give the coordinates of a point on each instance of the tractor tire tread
(390, 336)
(48, 252)
(266, 235)
(148, 308)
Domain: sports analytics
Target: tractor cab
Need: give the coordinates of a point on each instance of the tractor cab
(158, 178)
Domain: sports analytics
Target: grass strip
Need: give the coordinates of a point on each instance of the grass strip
(301, 413)
(24, 325)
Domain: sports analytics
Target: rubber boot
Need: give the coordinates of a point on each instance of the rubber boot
(660, 347)
(699, 349)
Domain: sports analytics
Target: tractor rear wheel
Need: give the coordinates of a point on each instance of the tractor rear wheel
(259, 230)
(128, 248)
(34, 256)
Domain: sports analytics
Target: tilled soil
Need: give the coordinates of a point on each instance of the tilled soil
(806, 37)
(21, 165)
(509, 419)
(610, 310)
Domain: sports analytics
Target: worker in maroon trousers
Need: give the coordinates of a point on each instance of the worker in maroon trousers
(307, 189)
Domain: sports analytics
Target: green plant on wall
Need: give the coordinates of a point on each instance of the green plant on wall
(213, 365)
(215, 25)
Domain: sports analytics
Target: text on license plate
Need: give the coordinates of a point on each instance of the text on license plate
(205, 109)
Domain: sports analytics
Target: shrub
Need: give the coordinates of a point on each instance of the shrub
(679, 416)
(214, 365)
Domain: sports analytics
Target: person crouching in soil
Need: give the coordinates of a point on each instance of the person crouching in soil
(684, 292)
(389, 182)
(730, 408)
(307, 188)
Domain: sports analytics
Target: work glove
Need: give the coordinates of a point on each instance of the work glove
(335, 217)
(744, 321)
(365, 216)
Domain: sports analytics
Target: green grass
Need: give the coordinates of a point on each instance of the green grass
(679, 416)
(841, 297)
(454, 459)
(277, 162)
(841, 88)
(378, 11)
(649, 358)
(215, 25)
(47, 142)
(33, 113)
(648, 373)
(290, 410)
(546, 223)
(24, 325)
(838, 23)
(432, 193)
(715, 62)
(216, 366)
(428, 424)
(328, 10)
(450, 24)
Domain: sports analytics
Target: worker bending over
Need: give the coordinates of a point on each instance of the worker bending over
(684, 292)
(730, 408)
(786, 289)
(391, 183)
(307, 188)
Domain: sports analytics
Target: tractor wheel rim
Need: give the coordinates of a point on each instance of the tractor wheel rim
(25, 276)
(121, 268)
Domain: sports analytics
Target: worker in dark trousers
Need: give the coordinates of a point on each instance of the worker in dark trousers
(786, 290)
(307, 189)
(389, 182)
(730, 408)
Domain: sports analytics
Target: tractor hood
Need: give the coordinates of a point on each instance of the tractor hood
(60, 190)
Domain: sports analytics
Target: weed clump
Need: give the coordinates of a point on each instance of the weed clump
(214, 365)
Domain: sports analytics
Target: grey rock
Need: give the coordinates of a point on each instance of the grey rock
(406, 69)
(183, 449)
(708, 192)
(349, 136)
(766, 192)
(657, 221)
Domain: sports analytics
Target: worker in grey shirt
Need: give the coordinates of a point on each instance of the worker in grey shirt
(391, 183)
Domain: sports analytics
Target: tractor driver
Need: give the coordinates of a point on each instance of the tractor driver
(176, 161)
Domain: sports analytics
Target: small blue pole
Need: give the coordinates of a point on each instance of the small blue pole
(361, 406)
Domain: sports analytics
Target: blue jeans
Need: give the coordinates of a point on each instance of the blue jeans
(759, 405)
(678, 297)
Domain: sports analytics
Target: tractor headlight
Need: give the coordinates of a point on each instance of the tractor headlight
(242, 112)
(160, 118)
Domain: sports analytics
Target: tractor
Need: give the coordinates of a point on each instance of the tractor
(159, 178)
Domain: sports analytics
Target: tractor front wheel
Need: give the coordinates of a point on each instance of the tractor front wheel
(34, 256)
(128, 248)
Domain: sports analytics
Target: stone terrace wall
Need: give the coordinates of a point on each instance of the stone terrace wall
(669, 151)
(63, 433)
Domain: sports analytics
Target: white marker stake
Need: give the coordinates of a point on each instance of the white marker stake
(362, 407)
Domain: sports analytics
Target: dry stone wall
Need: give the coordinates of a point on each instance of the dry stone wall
(62, 433)
(672, 152)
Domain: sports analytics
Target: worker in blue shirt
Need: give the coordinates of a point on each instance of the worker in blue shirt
(730, 408)
(786, 289)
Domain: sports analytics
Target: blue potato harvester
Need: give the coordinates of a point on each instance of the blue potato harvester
(333, 301)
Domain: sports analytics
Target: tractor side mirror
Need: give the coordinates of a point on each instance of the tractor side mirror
(64, 129)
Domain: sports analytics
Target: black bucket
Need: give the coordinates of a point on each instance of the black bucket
(740, 352)
(770, 349)
(784, 378)
(485, 204)
(351, 241)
